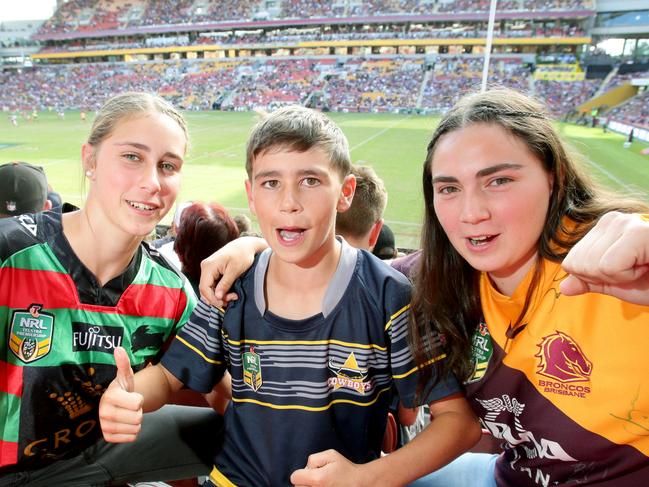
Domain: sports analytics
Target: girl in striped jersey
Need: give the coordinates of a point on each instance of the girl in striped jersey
(75, 286)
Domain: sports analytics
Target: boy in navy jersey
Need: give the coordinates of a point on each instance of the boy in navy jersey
(314, 343)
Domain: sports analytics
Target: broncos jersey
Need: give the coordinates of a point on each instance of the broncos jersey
(59, 330)
(566, 391)
(303, 386)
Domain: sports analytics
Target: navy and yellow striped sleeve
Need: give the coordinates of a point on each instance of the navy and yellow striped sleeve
(195, 356)
(404, 371)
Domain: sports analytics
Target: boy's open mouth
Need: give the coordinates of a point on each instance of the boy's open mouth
(290, 234)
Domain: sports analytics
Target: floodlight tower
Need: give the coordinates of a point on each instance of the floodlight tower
(487, 53)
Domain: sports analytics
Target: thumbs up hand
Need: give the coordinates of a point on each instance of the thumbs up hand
(120, 408)
(125, 375)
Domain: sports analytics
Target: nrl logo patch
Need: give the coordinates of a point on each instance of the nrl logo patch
(481, 350)
(30, 333)
(252, 369)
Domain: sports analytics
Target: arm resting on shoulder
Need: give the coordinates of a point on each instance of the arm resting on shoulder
(221, 269)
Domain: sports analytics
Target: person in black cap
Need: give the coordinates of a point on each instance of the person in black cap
(385, 247)
(23, 189)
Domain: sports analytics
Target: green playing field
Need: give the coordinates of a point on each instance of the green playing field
(214, 170)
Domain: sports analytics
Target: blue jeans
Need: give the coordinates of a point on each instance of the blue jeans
(468, 470)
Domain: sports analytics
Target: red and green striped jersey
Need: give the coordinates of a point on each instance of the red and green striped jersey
(59, 329)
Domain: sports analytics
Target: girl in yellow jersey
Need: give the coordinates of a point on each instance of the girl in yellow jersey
(549, 328)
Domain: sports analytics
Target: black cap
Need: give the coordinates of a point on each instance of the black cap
(23, 188)
(385, 247)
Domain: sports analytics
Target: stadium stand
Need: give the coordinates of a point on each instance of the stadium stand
(634, 112)
(360, 55)
(85, 15)
(379, 84)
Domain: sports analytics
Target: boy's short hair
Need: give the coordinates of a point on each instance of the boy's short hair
(299, 129)
(368, 205)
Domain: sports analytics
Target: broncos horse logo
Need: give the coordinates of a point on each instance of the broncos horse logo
(562, 359)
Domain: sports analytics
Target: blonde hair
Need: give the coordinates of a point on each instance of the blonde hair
(131, 104)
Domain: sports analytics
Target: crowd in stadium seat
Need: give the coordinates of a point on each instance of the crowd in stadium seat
(374, 86)
(455, 76)
(563, 97)
(620, 79)
(274, 83)
(634, 112)
(429, 31)
(89, 15)
(356, 84)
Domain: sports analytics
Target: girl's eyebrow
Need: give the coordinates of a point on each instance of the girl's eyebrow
(487, 171)
(137, 145)
(146, 148)
(444, 179)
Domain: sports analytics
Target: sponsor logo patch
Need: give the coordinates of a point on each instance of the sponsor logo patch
(30, 333)
(87, 337)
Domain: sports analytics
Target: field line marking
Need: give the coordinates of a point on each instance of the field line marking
(216, 152)
(398, 222)
(380, 132)
(605, 171)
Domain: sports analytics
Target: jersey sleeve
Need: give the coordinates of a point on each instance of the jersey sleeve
(195, 356)
(404, 370)
(14, 236)
(189, 305)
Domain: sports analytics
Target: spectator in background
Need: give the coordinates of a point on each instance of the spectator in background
(165, 245)
(203, 229)
(361, 224)
(55, 199)
(244, 224)
(386, 247)
(23, 189)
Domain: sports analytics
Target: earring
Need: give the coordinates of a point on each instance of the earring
(89, 173)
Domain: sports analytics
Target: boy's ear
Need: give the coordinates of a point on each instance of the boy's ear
(374, 232)
(346, 193)
(251, 201)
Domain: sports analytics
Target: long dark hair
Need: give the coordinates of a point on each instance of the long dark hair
(446, 299)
